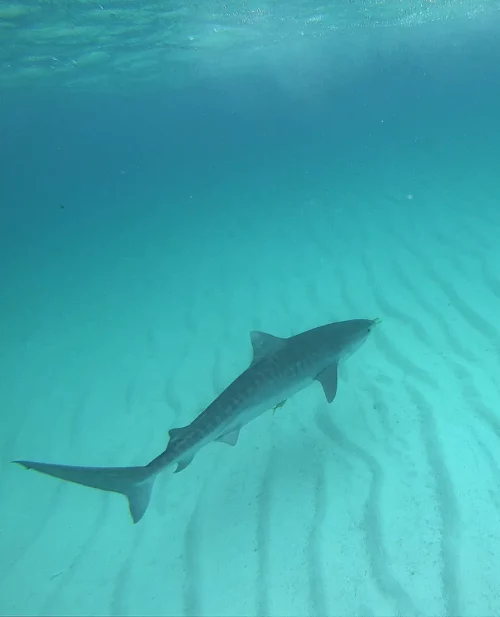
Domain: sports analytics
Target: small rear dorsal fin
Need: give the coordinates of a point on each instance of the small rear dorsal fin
(264, 345)
(174, 433)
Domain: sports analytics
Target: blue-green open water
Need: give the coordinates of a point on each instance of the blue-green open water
(173, 177)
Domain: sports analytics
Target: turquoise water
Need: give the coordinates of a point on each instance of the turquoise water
(175, 177)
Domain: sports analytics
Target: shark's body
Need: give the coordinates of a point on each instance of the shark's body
(280, 368)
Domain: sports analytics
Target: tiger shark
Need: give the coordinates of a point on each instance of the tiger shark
(280, 368)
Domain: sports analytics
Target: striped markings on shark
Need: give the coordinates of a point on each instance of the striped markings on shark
(280, 368)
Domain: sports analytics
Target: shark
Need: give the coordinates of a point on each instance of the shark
(280, 368)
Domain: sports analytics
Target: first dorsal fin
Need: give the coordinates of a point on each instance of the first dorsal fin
(174, 434)
(264, 345)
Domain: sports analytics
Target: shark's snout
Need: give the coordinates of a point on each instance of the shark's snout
(355, 334)
(361, 328)
(368, 326)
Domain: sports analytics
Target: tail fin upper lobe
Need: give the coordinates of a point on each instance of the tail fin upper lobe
(136, 483)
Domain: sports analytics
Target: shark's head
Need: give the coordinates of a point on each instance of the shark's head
(352, 334)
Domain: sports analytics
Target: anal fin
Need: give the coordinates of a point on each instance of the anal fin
(182, 464)
(175, 440)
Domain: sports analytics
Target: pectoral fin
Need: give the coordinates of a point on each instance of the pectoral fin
(328, 379)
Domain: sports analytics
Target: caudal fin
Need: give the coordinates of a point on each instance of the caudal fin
(136, 483)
